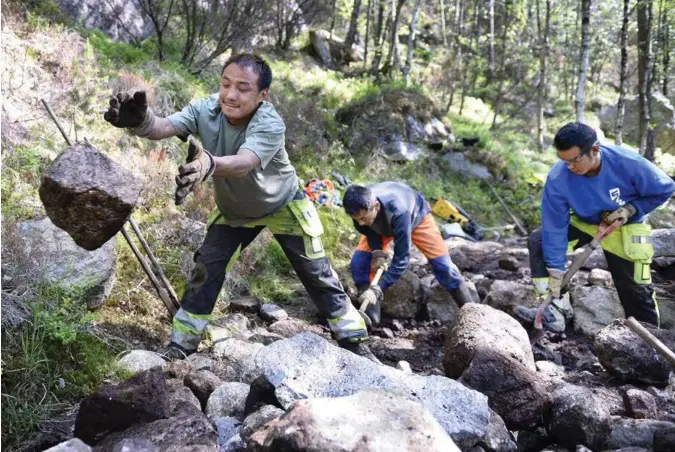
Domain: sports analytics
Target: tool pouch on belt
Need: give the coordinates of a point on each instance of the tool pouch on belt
(306, 214)
(637, 244)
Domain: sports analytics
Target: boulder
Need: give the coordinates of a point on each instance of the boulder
(88, 195)
(227, 428)
(272, 313)
(255, 421)
(307, 366)
(506, 295)
(202, 383)
(368, 421)
(139, 360)
(459, 163)
(397, 149)
(627, 356)
(177, 369)
(594, 308)
(234, 325)
(639, 404)
(53, 257)
(262, 393)
(600, 277)
(239, 357)
(141, 399)
(635, 432)
(662, 118)
(595, 260)
(404, 298)
(578, 418)
(249, 305)
(479, 327)
(664, 440)
(290, 327)
(187, 431)
(121, 20)
(179, 394)
(441, 305)
(228, 400)
(72, 445)
(518, 394)
(264, 337)
(201, 361)
(663, 241)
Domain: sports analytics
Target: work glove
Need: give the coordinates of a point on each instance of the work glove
(379, 259)
(199, 166)
(555, 279)
(373, 294)
(623, 213)
(131, 113)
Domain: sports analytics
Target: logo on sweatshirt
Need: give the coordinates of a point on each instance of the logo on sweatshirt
(615, 194)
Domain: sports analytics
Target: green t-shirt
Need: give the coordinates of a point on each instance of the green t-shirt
(262, 191)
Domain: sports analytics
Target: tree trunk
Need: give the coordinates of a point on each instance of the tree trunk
(378, 40)
(332, 21)
(365, 50)
(491, 62)
(621, 105)
(583, 60)
(644, 14)
(541, 92)
(443, 32)
(666, 58)
(411, 41)
(394, 52)
(502, 64)
(353, 25)
(467, 66)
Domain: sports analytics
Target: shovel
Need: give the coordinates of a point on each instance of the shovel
(576, 265)
(364, 305)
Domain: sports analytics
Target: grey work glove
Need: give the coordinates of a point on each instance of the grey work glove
(131, 113)
(373, 294)
(379, 259)
(555, 279)
(199, 166)
(623, 213)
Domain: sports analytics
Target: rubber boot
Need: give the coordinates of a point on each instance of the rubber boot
(174, 352)
(462, 294)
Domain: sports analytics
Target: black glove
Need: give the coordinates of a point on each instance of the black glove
(199, 166)
(130, 112)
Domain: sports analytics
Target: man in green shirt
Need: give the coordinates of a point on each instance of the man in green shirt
(242, 150)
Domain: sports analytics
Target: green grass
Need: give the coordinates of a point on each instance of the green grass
(51, 362)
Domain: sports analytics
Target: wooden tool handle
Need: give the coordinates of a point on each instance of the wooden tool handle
(650, 339)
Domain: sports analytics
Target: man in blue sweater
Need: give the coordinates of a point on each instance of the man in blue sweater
(597, 184)
(393, 211)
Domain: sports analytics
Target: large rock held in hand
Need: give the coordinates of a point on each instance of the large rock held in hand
(88, 195)
(370, 420)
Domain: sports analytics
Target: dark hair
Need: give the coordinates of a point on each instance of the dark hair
(575, 134)
(256, 63)
(358, 198)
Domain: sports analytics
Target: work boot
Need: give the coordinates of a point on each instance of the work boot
(358, 348)
(552, 318)
(462, 294)
(174, 352)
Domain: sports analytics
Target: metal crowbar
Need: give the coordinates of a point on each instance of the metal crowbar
(364, 305)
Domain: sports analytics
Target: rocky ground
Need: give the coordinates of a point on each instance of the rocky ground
(268, 381)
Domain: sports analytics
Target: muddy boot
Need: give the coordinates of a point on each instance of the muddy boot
(358, 348)
(174, 352)
(552, 318)
(462, 295)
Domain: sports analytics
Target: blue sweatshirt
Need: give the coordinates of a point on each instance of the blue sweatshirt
(624, 177)
(402, 209)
